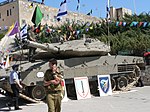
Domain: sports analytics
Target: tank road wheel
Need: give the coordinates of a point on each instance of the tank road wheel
(122, 82)
(38, 92)
(113, 84)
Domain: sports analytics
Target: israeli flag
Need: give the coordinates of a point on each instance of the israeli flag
(23, 32)
(108, 9)
(63, 10)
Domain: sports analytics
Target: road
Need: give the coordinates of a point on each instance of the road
(136, 100)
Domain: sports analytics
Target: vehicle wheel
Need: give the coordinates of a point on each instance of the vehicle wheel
(38, 92)
(71, 90)
(113, 84)
(122, 82)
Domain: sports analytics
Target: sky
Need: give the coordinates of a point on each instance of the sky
(99, 6)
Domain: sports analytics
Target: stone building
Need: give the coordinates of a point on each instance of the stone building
(118, 14)
(22, 11)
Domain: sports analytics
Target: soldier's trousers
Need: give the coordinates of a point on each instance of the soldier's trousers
(15, 95)
(54, 102)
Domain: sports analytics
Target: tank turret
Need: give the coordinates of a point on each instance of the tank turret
(74, 48)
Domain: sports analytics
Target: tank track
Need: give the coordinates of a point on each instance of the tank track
(137, 73)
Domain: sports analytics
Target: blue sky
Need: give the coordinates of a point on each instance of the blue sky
(99, 6)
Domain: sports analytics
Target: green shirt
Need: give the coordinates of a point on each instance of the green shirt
(50, 76)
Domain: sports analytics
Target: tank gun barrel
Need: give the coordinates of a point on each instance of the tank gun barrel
(46, 47)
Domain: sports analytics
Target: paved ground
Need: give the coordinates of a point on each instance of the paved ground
(136, 100)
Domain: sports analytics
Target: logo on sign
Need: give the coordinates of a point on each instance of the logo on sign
(104, 84)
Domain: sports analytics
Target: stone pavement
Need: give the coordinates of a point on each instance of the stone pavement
(136, 100)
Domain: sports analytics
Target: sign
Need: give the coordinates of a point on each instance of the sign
(82, 88)
(104, 84)
(40, 74)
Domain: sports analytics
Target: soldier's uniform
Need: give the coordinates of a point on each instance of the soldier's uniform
(54, 92)
(31, 36)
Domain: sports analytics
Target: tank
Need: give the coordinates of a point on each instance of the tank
(77, 58)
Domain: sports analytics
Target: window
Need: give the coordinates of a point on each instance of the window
(10, 11)
(7, 12)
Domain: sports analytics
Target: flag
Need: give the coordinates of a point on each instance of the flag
(23, 32)
(117, 23)
(15, 29)
(120, 23)
(7, 64)
(140, 24)
(42, 2)
(134, 23)
(62, 11)
(148, 24)
(108, 9)
(2, 66)
(78, 6)
(124, 23)
(1, 61)
(37, 16)
(145, 24)
(10, 28)
(90, 12)
(38, 29)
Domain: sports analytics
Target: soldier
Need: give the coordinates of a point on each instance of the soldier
(32, 37)
(52, 83)
(15, 85)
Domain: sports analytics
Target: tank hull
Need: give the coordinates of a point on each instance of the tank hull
(120, 68)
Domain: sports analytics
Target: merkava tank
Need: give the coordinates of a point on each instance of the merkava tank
(76, 58)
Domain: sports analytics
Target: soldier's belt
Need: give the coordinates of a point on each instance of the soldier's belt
(54, 92)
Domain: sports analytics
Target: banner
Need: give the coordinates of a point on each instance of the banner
(104, 85)
(82, 87)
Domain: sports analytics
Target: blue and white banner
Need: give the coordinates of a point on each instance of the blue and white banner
(23, 32)
(63, 10)
(82, 87)
(108, 9)
(78, 5)
(104, 85)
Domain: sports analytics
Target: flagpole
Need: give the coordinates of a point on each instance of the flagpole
(18, 13)
(134, 7)
(19, 33)
(108, 17)
(78, 8)
(108, 27)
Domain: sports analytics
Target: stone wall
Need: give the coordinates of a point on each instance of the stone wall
(10, 12)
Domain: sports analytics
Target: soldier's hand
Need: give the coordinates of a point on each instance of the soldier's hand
(55, 82)
(20, 86)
